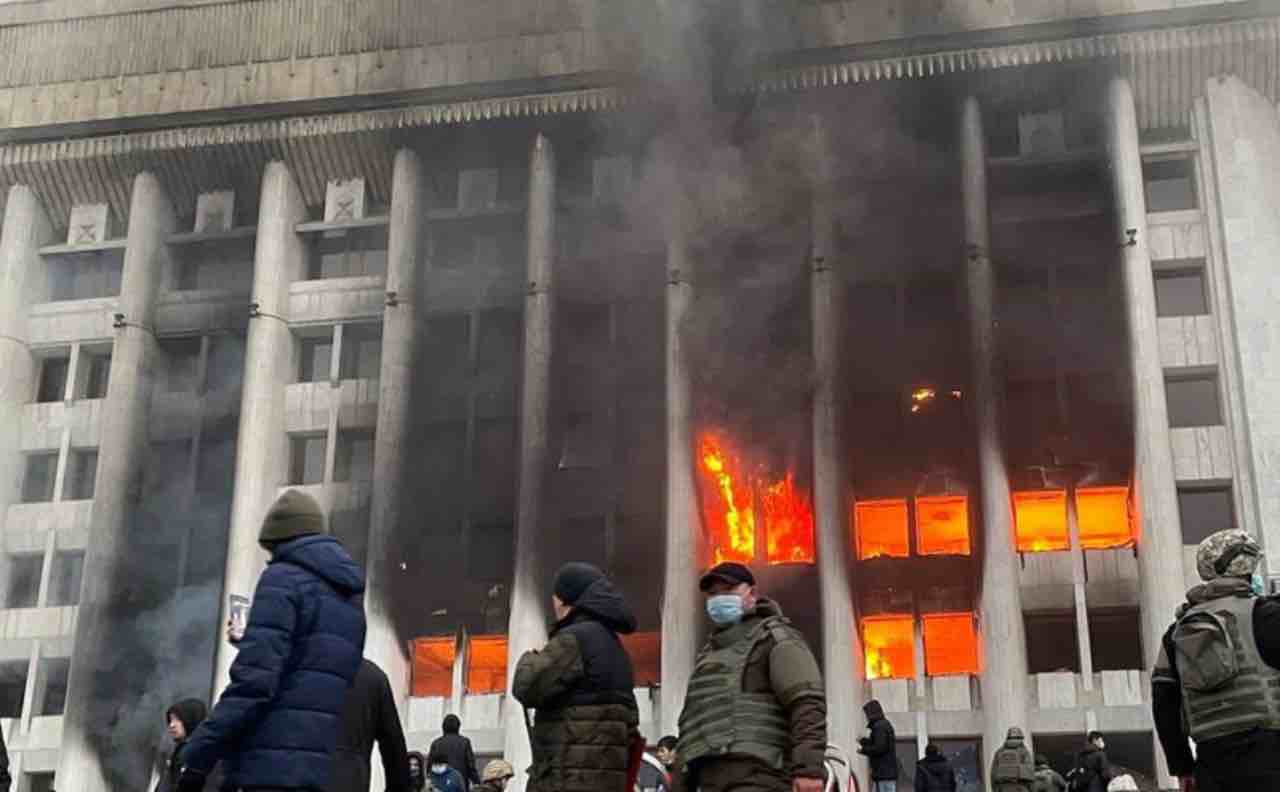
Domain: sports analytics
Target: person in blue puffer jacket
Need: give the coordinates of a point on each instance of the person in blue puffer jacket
(277, 723)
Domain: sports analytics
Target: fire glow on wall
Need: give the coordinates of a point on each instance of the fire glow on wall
(732, 489)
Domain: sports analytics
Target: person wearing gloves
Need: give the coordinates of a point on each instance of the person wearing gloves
(277, 724)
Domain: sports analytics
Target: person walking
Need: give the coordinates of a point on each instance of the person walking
(180, 722)
(1217, 679)
(880, 748)
(277, 723)
(755, 716)
(934, 773)
(1093, 771)
(368, 715)
(458, 749)
(1047, 779)
(495, 777)
(440, 776)
(655, 773)
(585, 737)
(1012, 769)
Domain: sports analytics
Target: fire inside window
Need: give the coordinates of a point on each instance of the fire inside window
(942, 525)
(1041, 521)
(1105, 517)
(433, 666)
(888, 643)
(487, 664)
(881, 529)
(729, 495)
(950, 644)
(645, 651)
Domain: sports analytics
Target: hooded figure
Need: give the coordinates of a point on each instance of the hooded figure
(417, 771)
(582, 686)
(457, 750)
(278, 722)
(1012, 769)
(440, 776)
(1047, 779)
(934, 772)
(369, 715)
(181, 721)
(880, 746)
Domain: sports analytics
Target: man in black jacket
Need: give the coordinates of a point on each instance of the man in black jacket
(934, 773)
(1093, 763)
(369, 714)
(457, 749)
(880, 748)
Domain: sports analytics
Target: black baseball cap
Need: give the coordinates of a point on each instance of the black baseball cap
(729, 572)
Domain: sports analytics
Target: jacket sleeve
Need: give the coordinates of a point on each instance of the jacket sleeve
(473, 775)
(390, 737)
(922, 785)
(542, 676)
(1166, 710)
(797, 682)
(255, 673)
(1266, 626)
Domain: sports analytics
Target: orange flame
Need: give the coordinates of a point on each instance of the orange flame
(788, 517)
(889, 646)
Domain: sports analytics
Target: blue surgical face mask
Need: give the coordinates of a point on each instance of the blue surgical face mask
(725, 609)
(1258, 585)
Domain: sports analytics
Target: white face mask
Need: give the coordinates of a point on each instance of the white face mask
(439, 769)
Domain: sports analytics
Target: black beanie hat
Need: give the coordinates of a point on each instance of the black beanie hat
(574, 578)
(294, 514)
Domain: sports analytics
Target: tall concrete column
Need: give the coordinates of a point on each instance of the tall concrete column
(262, 455)
(840, 640)
(1160, 577)
(682, 611)
(528, 624)
(1004, 656)
(98, 684)
(25, 230)
(406, 237)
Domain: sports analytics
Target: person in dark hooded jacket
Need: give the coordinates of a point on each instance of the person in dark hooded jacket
(880, 747)
(417, 764)
(458, 749)
(934, 772)
(180, 721)
(582, 686)
(278, 721)
(368, 715)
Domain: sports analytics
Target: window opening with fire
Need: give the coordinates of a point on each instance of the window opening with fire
(882, 527)
(1103, 515)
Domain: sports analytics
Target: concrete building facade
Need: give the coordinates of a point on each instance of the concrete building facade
(957, 324)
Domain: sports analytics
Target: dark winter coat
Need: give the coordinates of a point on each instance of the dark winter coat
(369, 714)
(1097, 770)
(448, 781)
(934, 774)
(419, 782)
(278, 722)
(582, 686)
(457, 751)
(6, 780)
(880, 747)
(191, 712)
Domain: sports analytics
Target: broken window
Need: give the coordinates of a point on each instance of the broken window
(53, 379)
(82, 470)
(13, 687)
(1180, 290)
(888, 644)
(97, 374)
(1041, 521)
(942, 525)
(1052, 642)
(433, 666)
(1170, 184)
(881, 528)
(1204, 511)
(307, 459)
(67, 574)
(354, 460)
(1193, 400)
(221, 265)
(24, 581)
(315, 354)
(788, 521)
(487, 664)
(950, 644)
(1104, 517)
(54, 672)
(361, 351)
(38, 479)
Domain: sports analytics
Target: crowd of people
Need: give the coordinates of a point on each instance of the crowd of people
(304, 709)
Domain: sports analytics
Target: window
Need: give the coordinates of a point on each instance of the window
(942, 525)
(487, 664)
(950, 644)
(24, 581)
(1181, 291)
(361, 351)
(13, 687)
(888, 644)
(97, 374)
(1170, 184)
(432, 673)
(307, 459)
(1103, 516)
(1041, 521)
(315, 353)
(354, 461)
(39, 782)
(1193, 400)
(84, 276)
(1052, 643)
(67, 573)
(349, 253)
(182, 364)
(881, 529)
(37, 481)
(1204, 511)
(81, 472)
(1115, 635)
(221, 265)
(53, 379)
(54, 671)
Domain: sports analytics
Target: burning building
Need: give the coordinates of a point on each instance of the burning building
(956, 323)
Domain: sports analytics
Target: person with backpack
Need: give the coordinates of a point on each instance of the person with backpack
(934, 773)
(1217, 678)
(1047, 779)
(880, 747)
(1011, 767)
(1092, 772)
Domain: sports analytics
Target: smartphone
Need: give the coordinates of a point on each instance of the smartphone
(239, 619)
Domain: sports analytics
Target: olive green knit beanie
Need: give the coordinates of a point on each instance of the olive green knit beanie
(294, 514)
